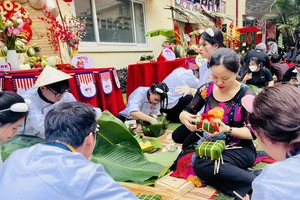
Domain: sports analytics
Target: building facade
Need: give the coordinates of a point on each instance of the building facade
(115, 28)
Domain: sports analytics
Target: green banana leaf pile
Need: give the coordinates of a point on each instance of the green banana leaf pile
(120, 153)
(254, 88)
(18, 142)
(155, 130)
(116, 150)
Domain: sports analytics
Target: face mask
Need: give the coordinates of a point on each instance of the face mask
(253, 68)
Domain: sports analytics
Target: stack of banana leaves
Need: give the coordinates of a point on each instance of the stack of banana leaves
(155, 130)
(254, 88)
(116, 150)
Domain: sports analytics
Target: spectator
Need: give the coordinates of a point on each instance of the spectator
(278, 68)
(292, 75)
(272, 46)
(257, 74)
(260, 53)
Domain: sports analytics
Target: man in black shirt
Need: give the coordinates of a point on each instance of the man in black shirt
(260, 53)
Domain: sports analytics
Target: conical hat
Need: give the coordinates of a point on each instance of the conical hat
(50, 75)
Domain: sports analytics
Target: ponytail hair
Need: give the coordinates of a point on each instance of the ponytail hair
(162, 90)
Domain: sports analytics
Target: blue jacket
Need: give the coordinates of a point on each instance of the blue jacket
(48, 172)
(278, 181)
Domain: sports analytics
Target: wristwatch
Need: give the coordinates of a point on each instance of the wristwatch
(230, 131)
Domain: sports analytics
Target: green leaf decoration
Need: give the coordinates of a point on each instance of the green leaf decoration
(18, 142)
(113, 131)
(125, 164)
(149, 197)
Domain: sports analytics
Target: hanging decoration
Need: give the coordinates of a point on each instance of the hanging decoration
(106, 82)
(191, 4)
(86, 84)
(232, 38)
(211, 5)
(115, 73)
(2, 83)
(22, 83)
(185, 3)
(178, 2)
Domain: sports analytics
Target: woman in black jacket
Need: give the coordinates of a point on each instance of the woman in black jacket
(292, 75)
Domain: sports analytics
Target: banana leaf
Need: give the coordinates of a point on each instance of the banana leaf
(254, 88)
(165, 158)
(155, 130)
(113, 131)
(18, 142)
(162, 32)
(125, 164)
(149, 196)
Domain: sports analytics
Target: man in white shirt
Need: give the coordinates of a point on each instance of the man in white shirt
(50, 89)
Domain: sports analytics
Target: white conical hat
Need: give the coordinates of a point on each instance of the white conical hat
(50, 75)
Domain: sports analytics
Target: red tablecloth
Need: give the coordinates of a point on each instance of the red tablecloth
(146, 74)
(112, 102)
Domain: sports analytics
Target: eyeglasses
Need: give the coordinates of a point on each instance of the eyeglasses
(57, 94)
(209, 31)
(94, 134)
(297, 66)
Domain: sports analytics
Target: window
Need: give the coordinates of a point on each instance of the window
(117, 21)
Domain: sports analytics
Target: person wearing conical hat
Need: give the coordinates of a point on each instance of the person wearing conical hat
(50, 89)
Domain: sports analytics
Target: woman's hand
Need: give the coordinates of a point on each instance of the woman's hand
(292, 82)
(223, 128)
(248, 76)
(246, 197)
(187, 119)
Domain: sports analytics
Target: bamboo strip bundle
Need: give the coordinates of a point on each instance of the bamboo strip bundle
(166, 193)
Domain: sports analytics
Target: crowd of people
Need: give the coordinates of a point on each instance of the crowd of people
(60, 169)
